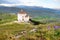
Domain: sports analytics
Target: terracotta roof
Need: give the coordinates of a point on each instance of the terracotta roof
(22, 12)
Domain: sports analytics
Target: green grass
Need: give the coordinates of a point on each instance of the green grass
(42, 32)
(5, 17)
(14, 28)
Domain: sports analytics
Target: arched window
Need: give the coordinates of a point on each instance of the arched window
(26, 16)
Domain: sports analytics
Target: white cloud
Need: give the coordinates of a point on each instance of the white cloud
(56, 0)
(50, 5)
(9, 5)
(43, 3)
(28, 2)
(22, 2)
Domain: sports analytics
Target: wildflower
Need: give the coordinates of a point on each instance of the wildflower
(48, 27)
(56, 27)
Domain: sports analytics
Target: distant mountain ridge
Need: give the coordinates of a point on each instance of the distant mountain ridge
(32, 10)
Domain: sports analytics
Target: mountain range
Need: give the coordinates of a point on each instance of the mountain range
(32, 10)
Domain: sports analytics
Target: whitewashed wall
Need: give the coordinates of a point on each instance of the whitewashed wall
(22, 18)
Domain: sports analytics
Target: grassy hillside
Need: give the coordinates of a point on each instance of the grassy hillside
(47, 31)
(10, 30)
(7, 17)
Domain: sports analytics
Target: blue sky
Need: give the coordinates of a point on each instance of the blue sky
(43, 3)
